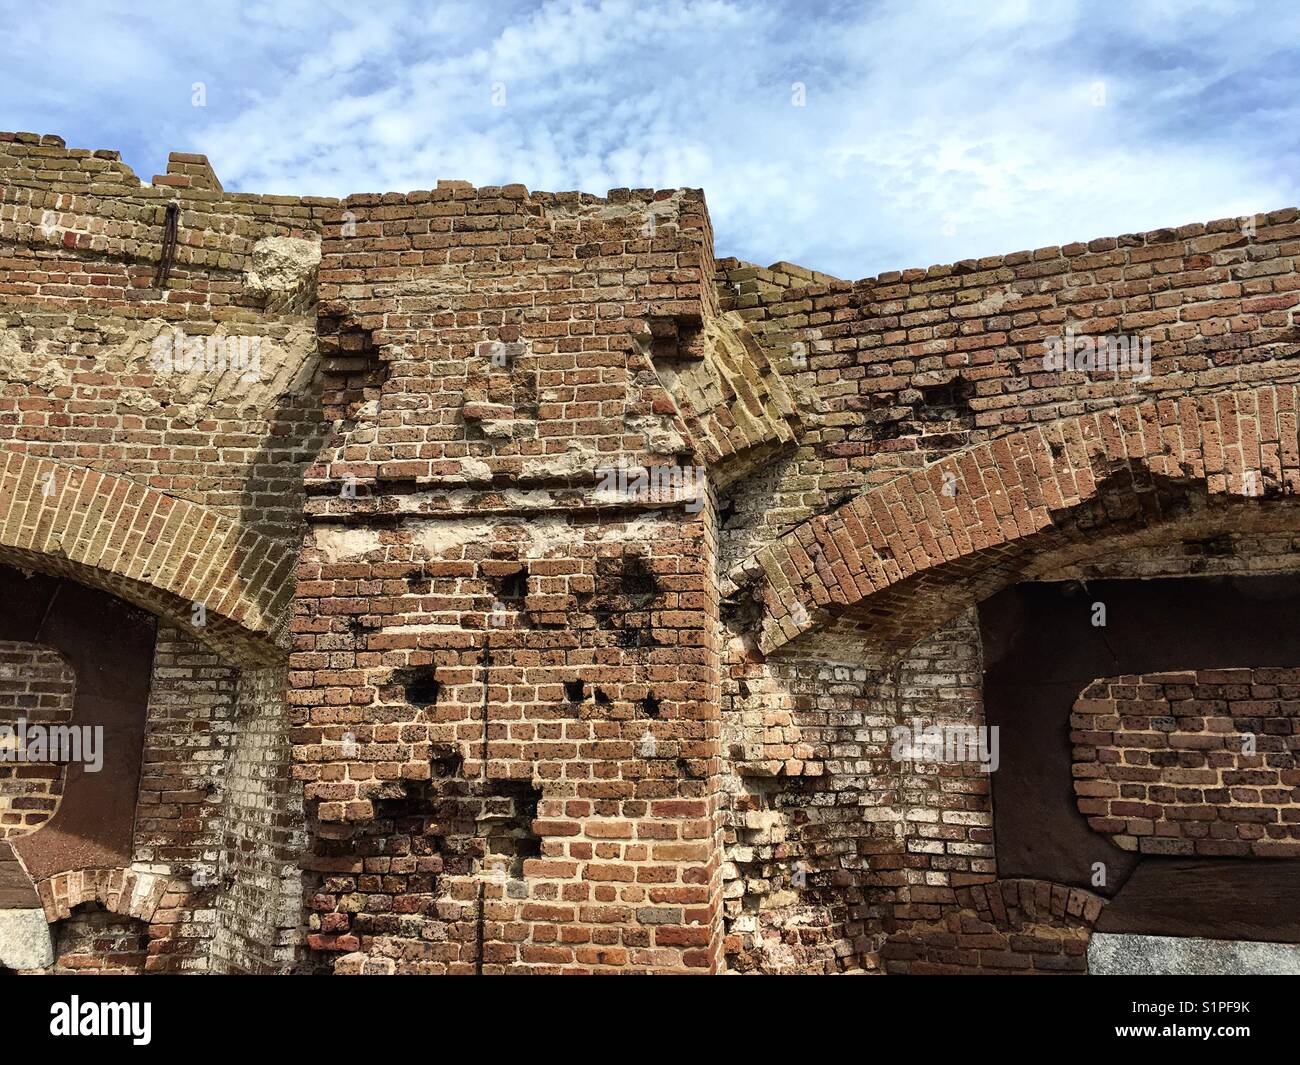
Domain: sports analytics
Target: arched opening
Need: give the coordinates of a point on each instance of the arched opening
(885, 566)
(862, 634)
(93, 941)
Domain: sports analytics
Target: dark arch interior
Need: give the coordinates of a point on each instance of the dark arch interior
(1041, 650)
(109, 645)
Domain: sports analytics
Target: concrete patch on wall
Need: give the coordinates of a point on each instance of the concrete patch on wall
(439, 538)
(37, 366)
(185, 376)
(280, 264)
(25, 940)
(1130, 955)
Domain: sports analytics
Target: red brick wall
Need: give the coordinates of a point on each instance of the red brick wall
(38, 686)
(505, 721)
(83, 305)
(80, 309)
(572, 729)
(95, 942)
(1161, 762)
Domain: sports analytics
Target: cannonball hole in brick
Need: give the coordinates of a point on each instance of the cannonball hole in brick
(513, 586)
(946, 402)
(419, 683)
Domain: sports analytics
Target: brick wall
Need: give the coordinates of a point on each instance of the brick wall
(501, 709)
(95, 942)
(874, 842)
(38, 687)
(1195, 763)
(506, 700)
(914, 364)
(259, 909)
(83, 306)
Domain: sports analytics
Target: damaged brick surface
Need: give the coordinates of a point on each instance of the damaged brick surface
(534, 593)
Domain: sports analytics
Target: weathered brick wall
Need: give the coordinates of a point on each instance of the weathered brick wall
(259, 908)
(506, 692)
(178, 823)
(1196, 763)
(95, 942)
(823, 802)
(898, 370)
(542, 716)
(36, 686)
(183, 362)
(84, 308)
(217, 814)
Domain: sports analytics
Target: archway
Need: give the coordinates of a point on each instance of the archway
(889, 566)
(176, 559)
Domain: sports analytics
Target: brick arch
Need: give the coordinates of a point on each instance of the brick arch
(969, 522)
(157, 551)
(121, 891)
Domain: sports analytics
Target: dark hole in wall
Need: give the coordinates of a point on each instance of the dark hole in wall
(419, 683)
(1220, 546)
(742, 611)
(445, 762)
(506, 823)
(602, 699)
(946, 402)
(574, 691)
(637, 583)
(353, 372)
(513, 586)
(359, 626)
(881, 425)
(418, 584)
(632, 638)
(674, 337)
(650, 706)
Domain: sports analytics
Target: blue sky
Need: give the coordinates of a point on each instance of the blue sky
(929, 131)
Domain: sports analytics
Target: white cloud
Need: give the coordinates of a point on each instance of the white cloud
(931, 132)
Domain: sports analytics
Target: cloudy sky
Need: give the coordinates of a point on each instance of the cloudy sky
(849, 137)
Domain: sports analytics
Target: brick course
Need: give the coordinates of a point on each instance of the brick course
(1198, 763)
(462, 697)
(36, 686)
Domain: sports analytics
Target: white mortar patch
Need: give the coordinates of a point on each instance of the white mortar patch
(25, 941)
(1115, 954)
